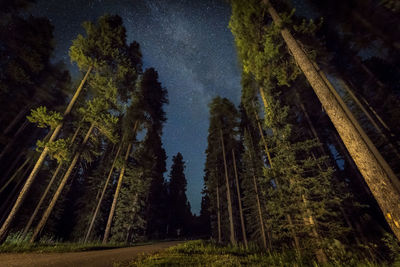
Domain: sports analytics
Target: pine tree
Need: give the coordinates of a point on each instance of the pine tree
(371, 163)
(110, 36)
(297, 206)
(221, 138)
(179, 210)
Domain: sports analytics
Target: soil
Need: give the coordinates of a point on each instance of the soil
(98, 258)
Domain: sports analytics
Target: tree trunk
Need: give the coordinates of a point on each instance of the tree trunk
(395, 181)
(102, 195)
(262, 230)
(218, 216)
(228, 193)
(262, 136)
(288, 216)
(114, 203)
(57, 194)
(16, 119)
(24, 191)
(369, 117)
(374, 171)
(12, 195)
(12, 141)
(46, 191)
(378, 117)
(309, 220)
(239, 200)
(14, 175)
(10, 168)
(310, 124)
(295, 238)
(44, 195)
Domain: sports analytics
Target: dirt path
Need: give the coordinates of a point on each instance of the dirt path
(90, 258)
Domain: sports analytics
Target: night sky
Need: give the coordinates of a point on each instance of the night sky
(188, 42)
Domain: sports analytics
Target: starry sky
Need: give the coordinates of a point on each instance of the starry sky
(188, 42)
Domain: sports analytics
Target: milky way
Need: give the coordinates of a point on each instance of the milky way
(190, 46)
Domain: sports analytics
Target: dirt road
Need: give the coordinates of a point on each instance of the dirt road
(100, 258)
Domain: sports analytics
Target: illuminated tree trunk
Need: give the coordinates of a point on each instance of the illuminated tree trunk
(57, 194)
(114, 203)
(375, 172)
(369, 117)
(24, 191)
(239, 200)
(44, 195)
(12, 196)
(46, 191)
(102, 195)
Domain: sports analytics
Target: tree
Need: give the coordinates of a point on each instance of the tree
(376, 173)
(96, 114)
(221, 138)
(104, 44)
(179, 209)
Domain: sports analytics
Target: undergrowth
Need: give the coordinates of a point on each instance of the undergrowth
(205, 253)
(17, 243)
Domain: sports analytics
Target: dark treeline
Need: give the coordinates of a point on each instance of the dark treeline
(73, 166)
(309, 161)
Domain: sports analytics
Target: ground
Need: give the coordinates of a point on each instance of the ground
(91, 258)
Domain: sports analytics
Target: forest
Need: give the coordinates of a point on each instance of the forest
(303, 171)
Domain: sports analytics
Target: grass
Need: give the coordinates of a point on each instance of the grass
(203, 253)
(16, 243)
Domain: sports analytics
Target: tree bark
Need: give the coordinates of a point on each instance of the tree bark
(263, 138)
(395, 181)
(57, 194)
(102, 196)
(239, 200)
(114, 203)
(309, 220)
(228, 193)
(378, 117)
(376, 175)
(262, 230)
(14, 175)
(288, 216)
(218, 216)
(46, 191)
(369, 117)
(12, 141)
(44, 195)
(24, 191)
(16, 119)
(12, 195)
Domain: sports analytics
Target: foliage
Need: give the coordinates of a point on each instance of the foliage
(44, 118)
(18, 243)
(203, 253)
(58, 149)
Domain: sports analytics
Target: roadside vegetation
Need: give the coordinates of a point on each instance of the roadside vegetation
(207, 253)
(18, 243)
